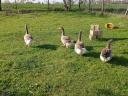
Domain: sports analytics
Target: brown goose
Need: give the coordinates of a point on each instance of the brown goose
(27, 37)
(66, 40)
(79, 46)
(95, 32)
(106, 53)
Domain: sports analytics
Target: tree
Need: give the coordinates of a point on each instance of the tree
(65, 5)
(16, 4)
(0, 6)
(89, 5)
(79, 4)
(69, 4)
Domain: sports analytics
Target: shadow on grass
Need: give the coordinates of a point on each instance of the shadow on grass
(89, 48)
(47, 46)
(93, 54)
(16, 94)
(114, 39)
(125, 53)
(105, 92)
(119, 61)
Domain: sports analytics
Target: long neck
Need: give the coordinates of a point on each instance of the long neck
(79, 36)
(109, 44)
(62, 32)
(94, 28)
(26, 28)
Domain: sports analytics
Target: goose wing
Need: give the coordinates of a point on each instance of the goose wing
(106, 52)
(27, 37)
(66, 39)
(80, 45)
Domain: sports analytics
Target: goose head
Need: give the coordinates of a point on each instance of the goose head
(61, 29)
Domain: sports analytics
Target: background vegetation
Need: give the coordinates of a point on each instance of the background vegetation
(109, 6)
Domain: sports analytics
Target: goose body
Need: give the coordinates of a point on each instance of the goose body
(66, 40)
(106, 53)
(79, 49)
(79, 46)
(27, 37)
(95, 32)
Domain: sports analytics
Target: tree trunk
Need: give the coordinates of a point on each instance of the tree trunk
(15, 4)
(79, 4)
(0, 6)
(48, 4)
(69, 4)
(102, 8)
(126, 12)
(65, 5)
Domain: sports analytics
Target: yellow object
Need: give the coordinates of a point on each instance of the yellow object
(109, 26)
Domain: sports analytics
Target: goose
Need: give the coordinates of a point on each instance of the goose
(66, 40)
(79, 46)
(27, 37)
(95, 32)
(106, 53)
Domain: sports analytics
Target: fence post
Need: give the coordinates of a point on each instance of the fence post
(0, 6)
(126, 12)
(48, 4)
(102, 8)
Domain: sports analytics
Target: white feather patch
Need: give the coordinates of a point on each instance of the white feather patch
(80, 51)
(105, 59)
(27, 42)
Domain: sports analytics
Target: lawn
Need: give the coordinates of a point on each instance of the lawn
(48, 69)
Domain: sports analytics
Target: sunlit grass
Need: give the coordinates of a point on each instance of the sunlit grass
(48, 69)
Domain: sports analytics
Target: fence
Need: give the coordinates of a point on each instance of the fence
(110, 6)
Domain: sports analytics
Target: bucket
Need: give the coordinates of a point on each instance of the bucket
(109, 26)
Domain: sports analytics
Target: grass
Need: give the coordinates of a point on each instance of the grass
(48, 69)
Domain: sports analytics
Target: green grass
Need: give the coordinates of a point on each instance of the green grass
(48, 69)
